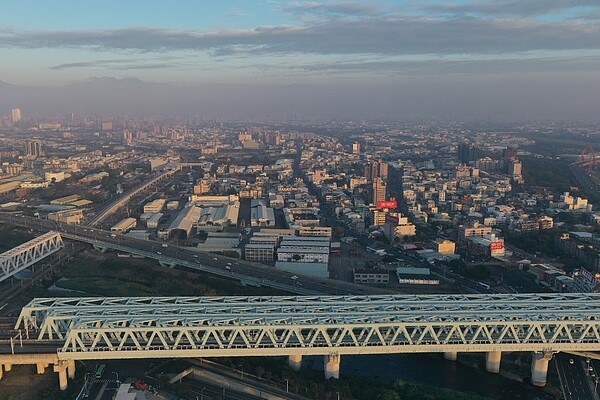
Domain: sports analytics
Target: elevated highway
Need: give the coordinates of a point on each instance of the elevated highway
(247, 272)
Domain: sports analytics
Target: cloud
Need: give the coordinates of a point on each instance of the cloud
(345, 9)
(502, 8)
(390, 36)
(456, 67)
(117, 64)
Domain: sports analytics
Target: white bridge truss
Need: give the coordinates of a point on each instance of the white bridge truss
(27, 254)
(104, 328)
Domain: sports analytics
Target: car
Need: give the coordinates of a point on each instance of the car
(229, 264)
(195, 255)
(571, 361)
(294, 277)
(165, 245)
(159, 253)
(215, 259)
(228, 267)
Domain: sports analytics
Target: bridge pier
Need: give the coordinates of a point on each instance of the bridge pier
(492, 361)
(295, 361)
(71, 369)
(539, 367)
(167, 265)
(61, 368)
(451, 355)
(99, 248)
(332, 366)
(1, 371)
(7, 367)
(41, 368)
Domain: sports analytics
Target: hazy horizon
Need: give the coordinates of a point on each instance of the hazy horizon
(462, 59)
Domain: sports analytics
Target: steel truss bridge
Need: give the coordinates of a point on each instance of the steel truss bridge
(27, 254)
(149, 327)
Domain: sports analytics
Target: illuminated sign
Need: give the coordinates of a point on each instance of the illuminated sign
(497, 245)
(387, 204)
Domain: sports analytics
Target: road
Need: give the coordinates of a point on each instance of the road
(574, 379)
(247, 272)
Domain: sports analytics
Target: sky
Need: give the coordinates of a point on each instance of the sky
(453, 56)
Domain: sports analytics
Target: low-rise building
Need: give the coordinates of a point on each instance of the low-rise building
(260, 252)
(67, 216)
(153, 221)
(415, 276)
(124, 226)
(371, 276)
(155, 206)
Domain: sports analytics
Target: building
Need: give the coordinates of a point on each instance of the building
(124, 226)
(184, 222)
(68, 216)
(320, 231)
(61, 201)
(475, 230)
(154, 221)
(356, 148)
(379, 190)
(483, 247)
(155, 206)
(586, 281)
(222, 241)
(33, 148)
(16, 115)
(415, 276)
(260, 214)
(371, 276)
(445, 247)
(259, 252)
(56, 176)
(398, 226)
(303, 254)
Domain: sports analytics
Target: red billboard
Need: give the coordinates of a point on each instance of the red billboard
(387, 204)
(496, 245)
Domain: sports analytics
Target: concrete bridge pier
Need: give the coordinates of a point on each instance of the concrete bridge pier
(332, 366)
(99, 248)
(61, 368)
(492, 361)
(71, 369)
(1, 371)
(167, 265)
(451, 355)
(41, 368)
(539, 367)
(295, 361)
(7, 367)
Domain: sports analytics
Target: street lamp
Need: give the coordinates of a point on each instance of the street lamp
(201, 394)
(117, 375)
(287, 386)
(241, 370)
(338, 395)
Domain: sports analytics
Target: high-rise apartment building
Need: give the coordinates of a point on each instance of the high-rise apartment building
(376, 169)
(379, 190)
(16, 115)
(33, 148)
(356, 148)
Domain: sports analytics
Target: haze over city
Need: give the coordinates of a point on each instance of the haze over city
(300, 200)
(474, 60)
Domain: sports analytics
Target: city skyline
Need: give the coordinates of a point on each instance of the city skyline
(463, 59)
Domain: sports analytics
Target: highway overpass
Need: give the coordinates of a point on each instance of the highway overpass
(249, 273)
